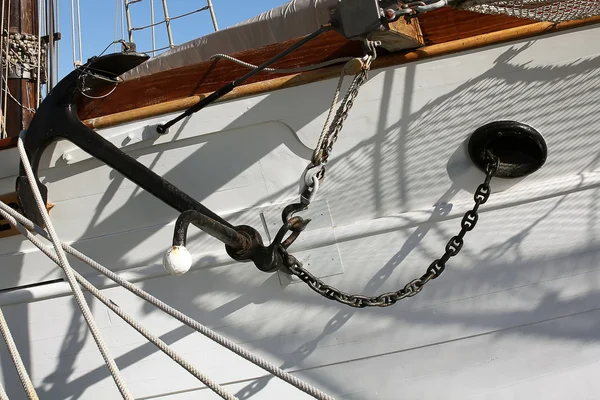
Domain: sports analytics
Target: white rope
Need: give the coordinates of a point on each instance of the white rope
(76, 33)
(122, 7)
(16, 358)
(152, 20)
(64, 264)
(79, 32)
(352, 67)
(181, 317)
(116, 25)
(325, 131)
(73, 35)
(284, 70)
(13, 98)
(165, 348)
(3, 395)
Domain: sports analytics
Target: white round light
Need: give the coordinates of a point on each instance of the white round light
(177, 261)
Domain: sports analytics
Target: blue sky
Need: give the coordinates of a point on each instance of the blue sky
(98, 23)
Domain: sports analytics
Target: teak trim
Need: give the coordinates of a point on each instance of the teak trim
(289, 81)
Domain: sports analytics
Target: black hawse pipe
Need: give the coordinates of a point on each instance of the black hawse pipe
(57, 118)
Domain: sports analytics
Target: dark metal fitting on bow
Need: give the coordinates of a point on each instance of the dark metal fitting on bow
(514, 149)
(370, 48)
(392, 15)
(242, 243)
(162, 129)
(294, 224)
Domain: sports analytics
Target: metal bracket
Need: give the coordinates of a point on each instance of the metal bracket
(358, 18)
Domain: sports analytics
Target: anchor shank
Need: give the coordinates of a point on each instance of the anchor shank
(223, 233)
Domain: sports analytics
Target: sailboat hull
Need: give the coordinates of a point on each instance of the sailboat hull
(515, 314)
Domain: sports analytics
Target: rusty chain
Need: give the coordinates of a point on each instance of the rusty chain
(414, 287)
(315, 173)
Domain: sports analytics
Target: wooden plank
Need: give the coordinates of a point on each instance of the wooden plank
(400, 35)
(12, 201)
(439, 27)
(208, 76)
(179, 88)
(448, 24)
(288, 81)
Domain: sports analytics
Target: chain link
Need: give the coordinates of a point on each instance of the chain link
(414, 287)
(317, 167)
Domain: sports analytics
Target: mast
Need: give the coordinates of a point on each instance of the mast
(21, 20)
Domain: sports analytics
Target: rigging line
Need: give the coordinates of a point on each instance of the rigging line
(13, 98)
(284, 70)
(79, 31)
(169, 19)
(5, 101)
(162, 129)
(178, 315)
(157, 50)
(116, 25)
(153, 30)
(122, 19)
(64, 264)
(16, 359)
(189, 13)
(50, 25)
(3, 395)
(212, 14)
(162, 346)
(76, 60)
(39, 60)
(42, 22)
(2, 119)
(128, 15)
(168, 23)
(57, 25)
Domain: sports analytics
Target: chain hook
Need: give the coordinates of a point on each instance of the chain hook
(370, 48)
(454, 246)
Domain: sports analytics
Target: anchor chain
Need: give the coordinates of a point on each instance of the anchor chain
(414, 287)
(315, 173)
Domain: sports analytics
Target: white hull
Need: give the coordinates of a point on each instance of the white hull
(515, 316)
